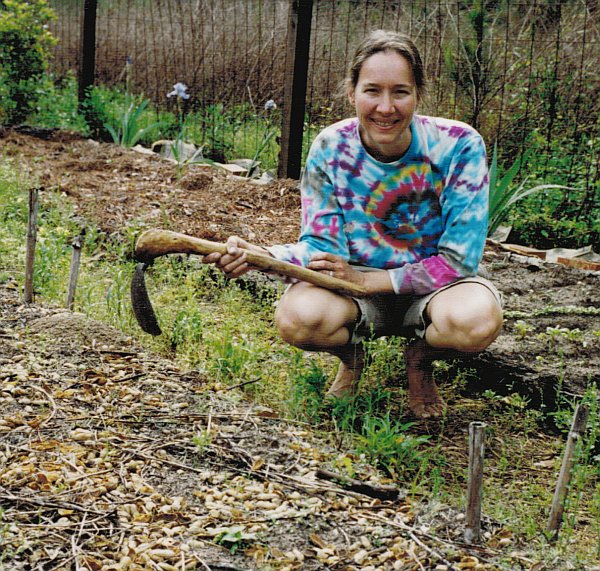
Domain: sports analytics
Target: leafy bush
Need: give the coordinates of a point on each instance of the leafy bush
(24, 51)
(538, 226)
(564, 214)
(57, 105)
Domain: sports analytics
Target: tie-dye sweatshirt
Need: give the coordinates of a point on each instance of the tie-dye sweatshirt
(423, 218)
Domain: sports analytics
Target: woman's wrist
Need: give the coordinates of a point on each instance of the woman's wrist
(377, 283)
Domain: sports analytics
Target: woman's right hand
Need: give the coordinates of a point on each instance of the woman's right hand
(235, 263)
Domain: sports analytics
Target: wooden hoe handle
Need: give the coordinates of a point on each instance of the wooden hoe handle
(154, 243)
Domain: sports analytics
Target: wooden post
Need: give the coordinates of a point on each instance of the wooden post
(578, 427)
(74, 271)
(296, 76)
(87, 66)
(30, 246)
(474, 482)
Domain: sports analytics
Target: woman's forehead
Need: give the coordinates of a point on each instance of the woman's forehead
(388, 67)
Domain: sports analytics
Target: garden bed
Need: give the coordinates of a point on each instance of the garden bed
(114, 458)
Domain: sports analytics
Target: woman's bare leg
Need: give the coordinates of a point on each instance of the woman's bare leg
(316, 319)
(466, 317)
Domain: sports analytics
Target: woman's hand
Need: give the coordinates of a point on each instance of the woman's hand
(375, 282)
(234, 263)
(336, 267)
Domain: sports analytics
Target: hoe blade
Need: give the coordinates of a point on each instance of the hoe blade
(140, 302)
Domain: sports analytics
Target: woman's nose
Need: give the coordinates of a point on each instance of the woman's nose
(385, 103)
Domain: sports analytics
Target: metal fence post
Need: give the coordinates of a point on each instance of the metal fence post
(296, 74)
(87, 64)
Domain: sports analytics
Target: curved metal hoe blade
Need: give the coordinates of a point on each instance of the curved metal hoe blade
(140, 302)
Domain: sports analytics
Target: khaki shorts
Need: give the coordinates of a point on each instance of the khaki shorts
(402, 315)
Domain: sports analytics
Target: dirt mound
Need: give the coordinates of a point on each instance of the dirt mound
(67, 327)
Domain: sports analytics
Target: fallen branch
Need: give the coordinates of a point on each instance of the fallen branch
(37, 501)
(371, 490)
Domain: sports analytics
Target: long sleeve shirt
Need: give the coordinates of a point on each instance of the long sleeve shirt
(423, 218)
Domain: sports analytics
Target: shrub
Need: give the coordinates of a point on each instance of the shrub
(24, 51)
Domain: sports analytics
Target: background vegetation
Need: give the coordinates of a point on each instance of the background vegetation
(524, 74)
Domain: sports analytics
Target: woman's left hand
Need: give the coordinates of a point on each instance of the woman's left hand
(374, 282)
(336, 267)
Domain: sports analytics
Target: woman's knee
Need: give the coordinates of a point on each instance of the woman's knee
(311, 318)
(297, 322)
(472, 330)
(470, 326)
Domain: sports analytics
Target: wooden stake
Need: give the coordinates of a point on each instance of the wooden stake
(30, 246)
(474, 482)
(74, 271)
(578, 427)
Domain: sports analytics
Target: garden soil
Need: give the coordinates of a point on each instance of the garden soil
(113, 458)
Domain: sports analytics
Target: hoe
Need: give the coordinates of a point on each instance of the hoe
(154, 243)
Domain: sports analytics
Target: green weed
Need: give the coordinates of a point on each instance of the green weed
(307, 389)
(388, 444)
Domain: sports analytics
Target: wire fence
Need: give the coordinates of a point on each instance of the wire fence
(525, 73)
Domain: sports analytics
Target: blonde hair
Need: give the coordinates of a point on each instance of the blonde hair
(382, 41)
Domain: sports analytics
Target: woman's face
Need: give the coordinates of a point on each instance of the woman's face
(385, 99)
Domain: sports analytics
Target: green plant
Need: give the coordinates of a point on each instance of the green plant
(308, 385)
(128, 130)
(25, 46)
(202, 440)
(504, 193)
(234, 537)
(387, 443)
(57, 105)
(523, 329)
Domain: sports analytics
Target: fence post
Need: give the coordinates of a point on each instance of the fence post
(74, 271)
(296, 75)
(87, 66)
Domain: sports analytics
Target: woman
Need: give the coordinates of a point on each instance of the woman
(398, 203)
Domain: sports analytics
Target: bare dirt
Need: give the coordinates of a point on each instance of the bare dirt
(112, 458)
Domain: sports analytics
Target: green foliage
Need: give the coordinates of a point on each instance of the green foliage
(504, 193)
(24, 51)
(57, 105)
(129, 129)
(308, 386)
(387, 443)
(234, 537)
